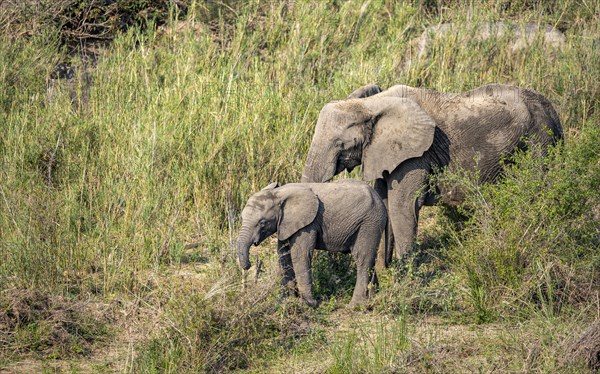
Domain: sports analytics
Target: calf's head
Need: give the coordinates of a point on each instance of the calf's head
(284, 210)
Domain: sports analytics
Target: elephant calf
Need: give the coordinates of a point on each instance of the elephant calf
(346, 216)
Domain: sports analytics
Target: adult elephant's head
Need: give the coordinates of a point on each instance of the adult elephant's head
(379, 132)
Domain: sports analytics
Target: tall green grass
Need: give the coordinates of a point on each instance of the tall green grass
(158, 145)
(149, 154)
(364, 351)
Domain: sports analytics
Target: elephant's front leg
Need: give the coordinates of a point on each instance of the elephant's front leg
(405, 199)
(288, 280)
(385, 251)
(302, 246)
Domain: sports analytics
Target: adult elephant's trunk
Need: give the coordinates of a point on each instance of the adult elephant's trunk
(320, 165)
(244, 243)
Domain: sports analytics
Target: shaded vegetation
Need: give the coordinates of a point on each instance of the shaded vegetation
(76, 23)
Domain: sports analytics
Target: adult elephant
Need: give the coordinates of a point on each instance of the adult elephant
(403, 134)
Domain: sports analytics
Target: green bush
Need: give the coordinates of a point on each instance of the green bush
(531, 241)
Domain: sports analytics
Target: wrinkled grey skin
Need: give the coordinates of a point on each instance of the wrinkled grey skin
(403, 134)
(346, 216)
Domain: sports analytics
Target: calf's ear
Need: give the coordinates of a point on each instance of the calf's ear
(298, 208)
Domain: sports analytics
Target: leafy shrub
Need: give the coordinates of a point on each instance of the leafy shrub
(531, 242)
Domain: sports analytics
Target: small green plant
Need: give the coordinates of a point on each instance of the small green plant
(371, 349)
(480, 300)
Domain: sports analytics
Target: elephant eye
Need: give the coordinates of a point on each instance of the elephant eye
(261, 224)
(339, 144)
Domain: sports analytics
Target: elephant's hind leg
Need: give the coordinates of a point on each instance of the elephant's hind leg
(365, 254)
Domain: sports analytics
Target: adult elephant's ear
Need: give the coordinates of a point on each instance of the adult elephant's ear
(271, 186)
(398, 130)
(299, 207)
(365, 91)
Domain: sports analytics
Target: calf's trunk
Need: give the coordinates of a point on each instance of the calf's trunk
(243, 244)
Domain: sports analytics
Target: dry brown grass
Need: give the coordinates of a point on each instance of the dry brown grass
(37, 324)
(587, 347)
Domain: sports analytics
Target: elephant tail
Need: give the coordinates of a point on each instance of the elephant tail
(546, 123)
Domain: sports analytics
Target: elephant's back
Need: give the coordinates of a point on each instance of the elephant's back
(509, 114)
(480, 127)
(347, 194)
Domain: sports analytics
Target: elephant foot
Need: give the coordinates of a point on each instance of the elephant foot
(358, 300)
(405, 251)
(353, 303)
(310, 302)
